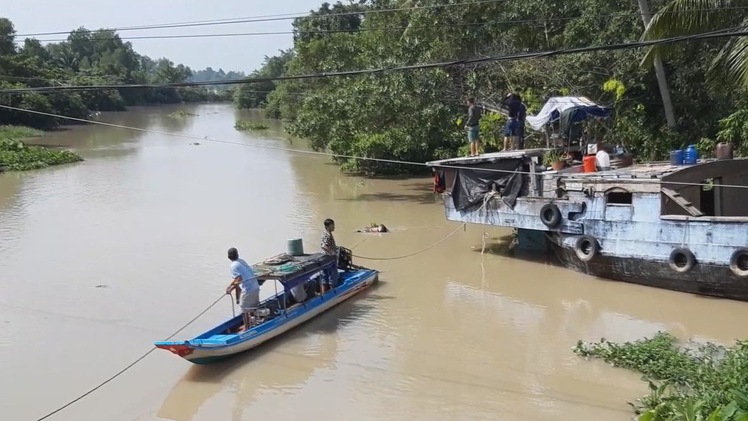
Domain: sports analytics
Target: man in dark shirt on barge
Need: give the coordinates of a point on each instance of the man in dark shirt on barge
(516, 114)
(472, 126)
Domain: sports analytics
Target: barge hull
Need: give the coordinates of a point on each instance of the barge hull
(702, 279)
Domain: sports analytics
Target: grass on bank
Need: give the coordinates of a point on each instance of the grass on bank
(696, 383)
(15, 155)
(248, 125)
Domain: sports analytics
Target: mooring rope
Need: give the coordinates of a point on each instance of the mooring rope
(486, 199)
(142, 357)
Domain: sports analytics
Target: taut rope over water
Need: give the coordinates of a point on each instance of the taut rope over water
(142, 357)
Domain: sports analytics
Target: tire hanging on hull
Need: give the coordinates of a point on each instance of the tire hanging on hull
(586, 248)
(682, 260)
(550, 215)
(739, 262)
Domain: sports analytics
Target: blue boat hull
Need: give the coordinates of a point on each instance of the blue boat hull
(217, 344)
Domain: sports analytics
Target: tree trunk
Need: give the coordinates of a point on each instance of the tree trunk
(659, 71)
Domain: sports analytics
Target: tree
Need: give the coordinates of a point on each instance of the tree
(86, 57)
(7, 37)
(687, 17)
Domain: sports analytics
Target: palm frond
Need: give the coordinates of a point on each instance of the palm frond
(688, 17)
(732, 63)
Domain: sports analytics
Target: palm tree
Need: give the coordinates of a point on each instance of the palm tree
(687, 17)
(659, 70)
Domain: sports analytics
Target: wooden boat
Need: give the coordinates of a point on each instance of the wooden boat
(280, 312)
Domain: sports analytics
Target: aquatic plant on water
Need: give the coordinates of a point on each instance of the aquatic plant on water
(19, 132)
(182, 114)
(248, 125)
(707, 382)
(15, 155)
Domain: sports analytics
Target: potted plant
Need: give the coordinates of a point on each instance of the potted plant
(554, 160)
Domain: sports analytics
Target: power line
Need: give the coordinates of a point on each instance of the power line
(300, 151)
(539, 21)
(272, 18)
(303, 94)
(722, 33)
(289, 16)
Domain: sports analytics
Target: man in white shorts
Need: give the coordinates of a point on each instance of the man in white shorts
(245, 279)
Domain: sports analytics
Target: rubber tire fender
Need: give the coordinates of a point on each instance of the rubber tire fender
(690, 260)
(586, 242)
(550, 215)
(735, 260)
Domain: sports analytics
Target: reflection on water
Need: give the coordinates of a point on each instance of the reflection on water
(274, 367)
(101, 258)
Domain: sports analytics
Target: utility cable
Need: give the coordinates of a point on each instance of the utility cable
(302, 94)
(722, 33)
(272, 18)
(308, 152)
(307, 15)
(538, 21)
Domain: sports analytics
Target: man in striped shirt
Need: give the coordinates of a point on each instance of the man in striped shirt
(330, 248)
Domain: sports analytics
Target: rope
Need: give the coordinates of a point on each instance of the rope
(130, 365)
(415, 253)
(486, 199)
(300, 151)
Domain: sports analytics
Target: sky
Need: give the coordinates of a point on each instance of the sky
(239, 53)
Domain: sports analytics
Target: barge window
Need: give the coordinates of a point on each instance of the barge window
(619, 197)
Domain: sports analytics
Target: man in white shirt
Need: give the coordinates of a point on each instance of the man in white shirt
(246, 281)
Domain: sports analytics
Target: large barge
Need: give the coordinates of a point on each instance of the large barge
(678, 227)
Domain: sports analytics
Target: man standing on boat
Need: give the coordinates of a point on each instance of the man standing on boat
(244, 278)
(513, 104)
(330, 248)
(472, 125)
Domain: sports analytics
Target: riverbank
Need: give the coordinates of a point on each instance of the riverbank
(17, 155)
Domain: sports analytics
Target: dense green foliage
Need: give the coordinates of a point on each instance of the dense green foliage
(707, 383)
(412, 115)
(17, 156)
(87, 58)
(255, 95)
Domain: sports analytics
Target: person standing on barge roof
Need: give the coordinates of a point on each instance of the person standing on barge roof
(472, 125)
(246, 281)
(513, 103)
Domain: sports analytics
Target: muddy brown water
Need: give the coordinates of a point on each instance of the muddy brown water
(101, 258)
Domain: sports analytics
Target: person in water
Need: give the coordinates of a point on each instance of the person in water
(374, 228)
(245, 281)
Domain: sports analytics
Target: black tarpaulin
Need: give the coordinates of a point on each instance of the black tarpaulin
(472, 184)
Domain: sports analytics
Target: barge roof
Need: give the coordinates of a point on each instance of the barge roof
(643, 172)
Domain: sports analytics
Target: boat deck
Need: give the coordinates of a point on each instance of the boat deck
(284, 267)
(489, 157)
(654, 170)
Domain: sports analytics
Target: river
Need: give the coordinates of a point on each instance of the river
(99, 259)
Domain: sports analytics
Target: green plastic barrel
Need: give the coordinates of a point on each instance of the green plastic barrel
(295, 247)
